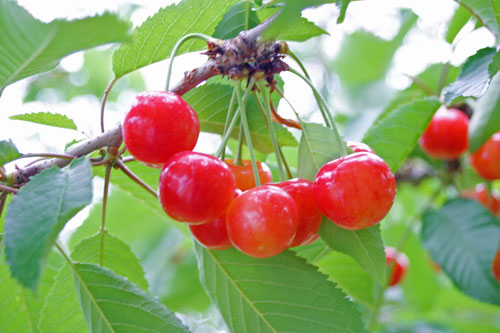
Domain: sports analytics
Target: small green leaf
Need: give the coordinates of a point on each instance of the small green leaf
(494, 66)
(318, 145)
(8, 152)
(487, 12)
(30, 47)
(278, 294)
(59, 310)
(47, 118)
(485, 120)
(238, 18)
(394, 135)
(155, 38)
(365, 246)
(211, 103)
(112, 303)
(342, 4)
(38, 213)
(462, 237)
(473, 78)
(457, 22)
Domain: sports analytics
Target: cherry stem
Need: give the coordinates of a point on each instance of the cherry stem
(103, 212)
(135, 178)
(230, 109)
(421, 84)
(401, 242)
(267, 113)
(285, 163)
(176, 48)
(9, 189)
(3, 199)
(107, 91)
(297, 60)
(238, 157)
(48, 155)
(246, 129)
(128, 159)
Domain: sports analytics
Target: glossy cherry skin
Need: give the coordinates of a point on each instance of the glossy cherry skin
(495, 266)
(486, 160)
(399, 267)
(159, 125)
(262, 222)
(310, 216)
(446, 136)
(243, 174)
(355, 191)
(481, 194)
(195, 187)
(212, 235)
(358, 147)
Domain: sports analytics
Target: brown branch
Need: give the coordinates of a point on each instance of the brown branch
(5, 188)
(231, 54)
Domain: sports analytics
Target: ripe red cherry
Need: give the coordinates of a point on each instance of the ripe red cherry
(310, 217)
(159, 125)
(262, 222)
(212, 235)
(195, 187)
(495, 267)
(446, 136)
(243, 174)
(358, 147)
(486, 160)
(400, 265)
(355, 191)
(481, 194)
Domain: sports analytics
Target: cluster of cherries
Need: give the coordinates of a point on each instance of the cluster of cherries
(446, 138)
(219, 199)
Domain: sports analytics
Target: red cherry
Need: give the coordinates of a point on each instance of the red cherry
(481, 194)
(243, 174)
(159, 125)
(495, 267)
(212, 235)
(446, 137)
(486, 160)
(358, 147)
(310, 217)
(195, 187)
(262, 222)
(355, 191)
(400, 265)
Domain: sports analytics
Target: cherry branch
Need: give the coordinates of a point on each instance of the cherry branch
(227, 57)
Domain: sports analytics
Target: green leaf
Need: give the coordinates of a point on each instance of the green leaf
(473, 78)
(462, 237)
(485, 120)
(8, 152)
(494, 66)
(457, 22)
(394, 135)
(113, 303)
(211, 103)
(20, 308)
(155, 38)
(342, 4)
(365, 246)
(278, 294)
(355, 68)
(487, 12)
(238, 18)
(38, 213)
(318, 145)
(31, 47)
(60, 310)
(47, 118)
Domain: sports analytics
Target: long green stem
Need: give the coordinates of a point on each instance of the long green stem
(267, 112)
(246, 128)
(239, 151)
(176, 48)
(297, 60)
(226, 136)
(228, 122)
(103, 212)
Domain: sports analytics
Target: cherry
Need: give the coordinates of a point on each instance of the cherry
(399, 262)
(195, 187)
(243, 174)
(310, 217)
(495, 266)
(355, 191)
(446, 136)
(262, 222)
(358, 147)
(486, 160)
(481, 194)
(158, 125)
